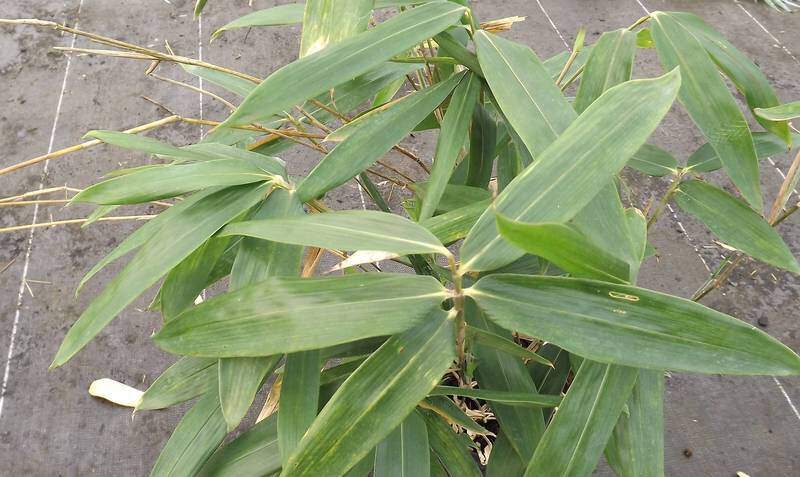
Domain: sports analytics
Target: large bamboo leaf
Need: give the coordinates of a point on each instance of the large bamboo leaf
(605, 322)
(574, 168)
(747, 77)
(316, 73)
(609, 64)
(566, 248)
(528, 98)
(376, 398)
(405, 451)
(710, 104)
(278, 15)
(197, 436)
(451, 449)
(482, 148)
(705, 158)
(327, 22)
(504, 460)
(186, 379)
(256, 260)
(455, 225)
(736, 224)
(284, 315)
(455, 126)
(496, 370)
(166, 248)
(254, 453)
(373, 137)
(345, 230)
(636, 447)
(299, 399)
(574, 440)
(505, 397)
(780, 113)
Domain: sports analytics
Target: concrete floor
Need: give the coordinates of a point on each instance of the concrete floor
(49, 425)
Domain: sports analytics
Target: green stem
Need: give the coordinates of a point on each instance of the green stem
(665, 199)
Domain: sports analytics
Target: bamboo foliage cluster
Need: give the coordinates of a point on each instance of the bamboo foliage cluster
(521, 344)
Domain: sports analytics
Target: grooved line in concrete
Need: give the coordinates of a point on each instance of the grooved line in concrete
(26, 265)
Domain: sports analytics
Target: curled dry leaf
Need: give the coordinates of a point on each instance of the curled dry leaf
(115, 392)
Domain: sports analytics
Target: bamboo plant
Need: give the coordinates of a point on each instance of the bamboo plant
(517, 342)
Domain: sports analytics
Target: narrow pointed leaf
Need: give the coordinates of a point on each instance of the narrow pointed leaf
(782, 112)
(566, 248)
(455, 225)
(317, 73)
(595, 147)
(165, 249)
(504, 460)
(283, 315)
(482, 150)
(186, 379)
(373, 138)
(602, 322)
(404, 452)
(455, 126)
(505, 397)
(735, 224)
(454, 196)
(710, 104)
(610, 63)
(575, 439)
(451, 449)
(530, 101)
(507, 346)
(375, 398)
(256, 260)
(146, 144)
(745, 75)
(636, 447)
(236, 85)
(705, 158)
(278, 15)
(450, 412)
(345, 230)
(299, 399)
(254, 453)
(653, 161)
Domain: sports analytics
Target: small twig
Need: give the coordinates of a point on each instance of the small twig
(34, 193)
(786, 189)
(393, 181)
(327, 108)
(676, 182)
(384, 164)
(74, 221)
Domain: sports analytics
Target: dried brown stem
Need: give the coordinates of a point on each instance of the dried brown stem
(16, 228)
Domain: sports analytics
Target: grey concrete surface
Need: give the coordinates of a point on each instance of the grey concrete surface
(50, 426)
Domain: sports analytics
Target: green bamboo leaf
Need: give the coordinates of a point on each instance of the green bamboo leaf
(345, 230)
(299, 399)
(455, 225)
(482, 151)
(455, 127)
(404, 452)
(528, 98)
(574, 440)
(551, 379)
(199, 6)
(745, 75)
(284, 315)
(736, 224)
(141, 235)
(453, 414)
(505, 397)
(654, 161)
(188, 280)
(509, 164)
(454, 196)
(556, 63)
(566, 248)
(609, 64)
(710, 104)
(450, 46)
(781, 112)
(499, 371)
(705, 158)
(278, 15)
(507, 346)
(636, 447)
(449, 448)
(147, 144)
(376, 398)
(373, 137)
(603, 322)
(364, 466)
(186, 379)
(596, 146)
(196, 437)
(254, 453)
(236, 85)
(504, 460)
(256, 260)
(327, 22)
(173, 242)
(317, 73)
